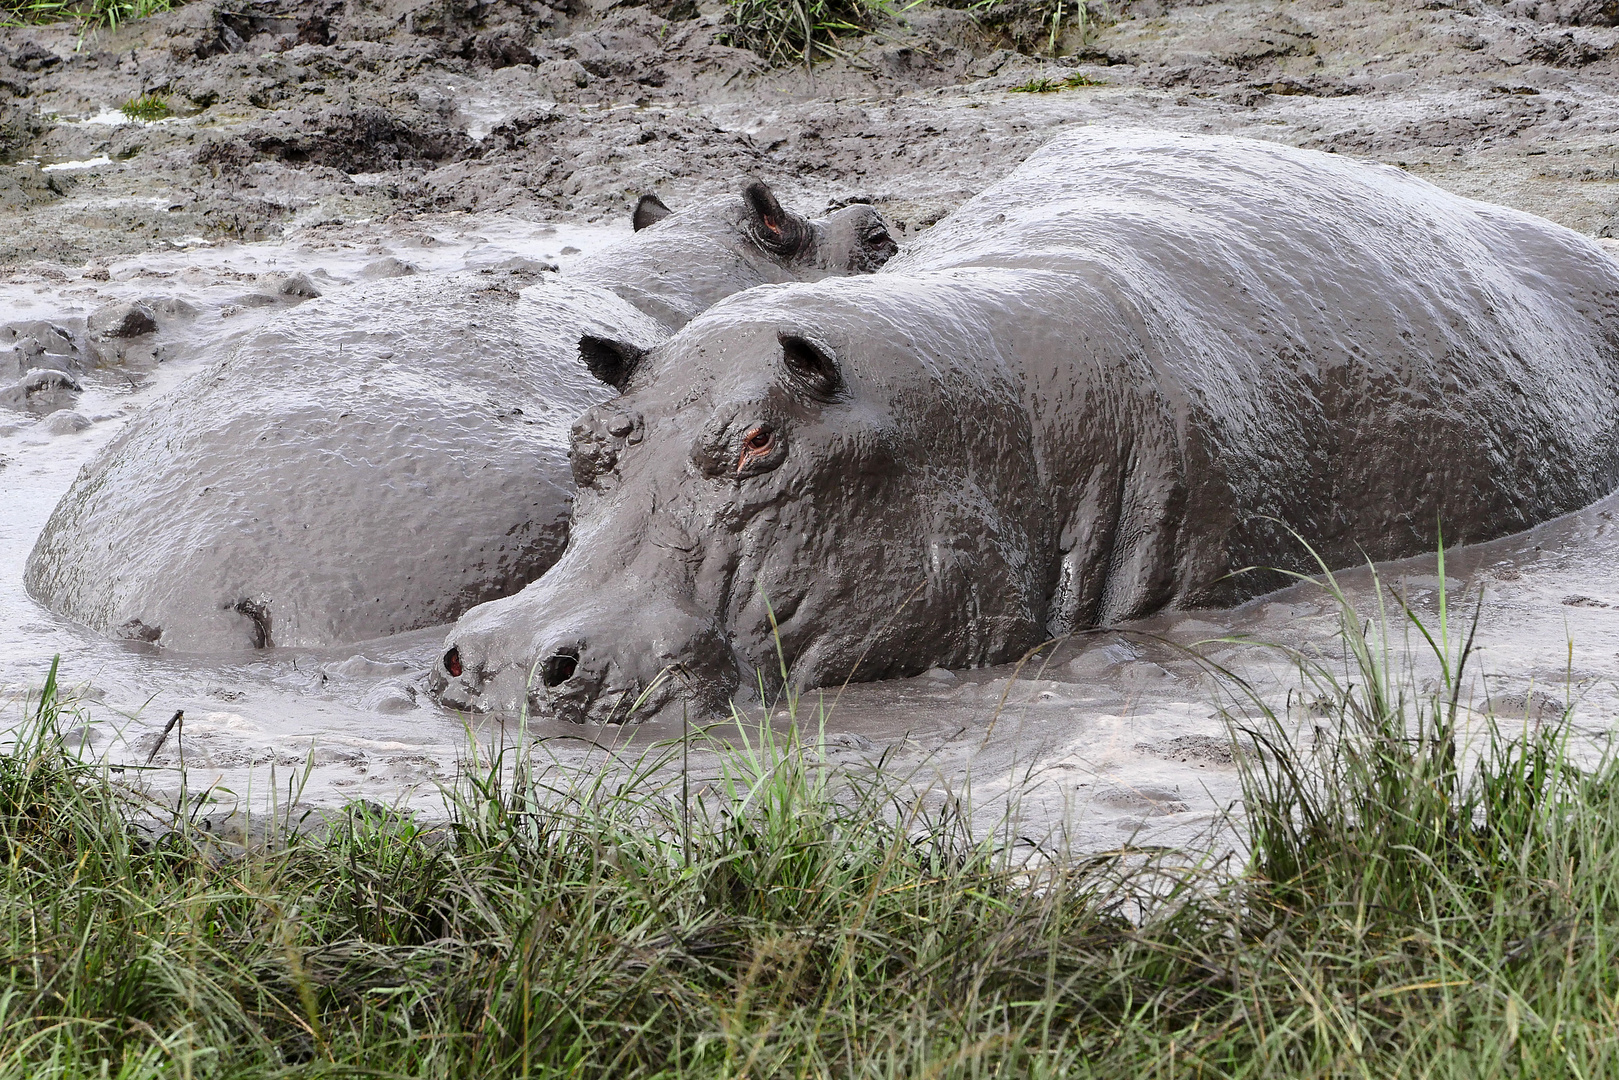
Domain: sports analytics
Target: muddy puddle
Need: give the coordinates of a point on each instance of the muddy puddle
(1113, 737)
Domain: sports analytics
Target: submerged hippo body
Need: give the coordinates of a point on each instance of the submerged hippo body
(1100, 388)
(385, 457)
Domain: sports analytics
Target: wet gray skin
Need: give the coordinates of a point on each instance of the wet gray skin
(681, 264)
(388, 456)
(1102, 387)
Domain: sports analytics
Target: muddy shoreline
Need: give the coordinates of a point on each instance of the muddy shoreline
(291, 116)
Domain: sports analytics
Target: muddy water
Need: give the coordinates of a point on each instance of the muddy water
(1113, 737)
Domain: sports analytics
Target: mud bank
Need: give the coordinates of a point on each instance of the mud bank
(290, 116)
(315, 145)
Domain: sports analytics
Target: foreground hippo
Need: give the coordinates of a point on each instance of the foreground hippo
(1099, 388)
(386, 457)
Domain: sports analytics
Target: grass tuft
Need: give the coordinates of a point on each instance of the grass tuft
(146, 107)
(786, 32)
(1046, 85)
(90, 14)
(1040, 85)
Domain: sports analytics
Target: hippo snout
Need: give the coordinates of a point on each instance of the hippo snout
(612, 660)
(482, 666)
(605, 674)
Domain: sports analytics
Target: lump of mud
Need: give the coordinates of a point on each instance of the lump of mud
(360, 667)
(390, 697)
(359, 139)
(123, 319)
(1096, 662)
(1533, 706)
(292, 287)
(39, 344)
(48, 379)
(23, 186)
(65, 422)
(1567, 12)
(1143, 800)
(389, 267)
(1190, 748)
(31, 56)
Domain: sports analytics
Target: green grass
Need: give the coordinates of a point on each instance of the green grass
(90, 14)
(786, 32)
(1035, 23)
(1046, 85)
(146, 107)
(1416, 900)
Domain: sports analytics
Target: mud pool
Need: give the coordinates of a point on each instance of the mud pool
(356, 138)
(1111, 737)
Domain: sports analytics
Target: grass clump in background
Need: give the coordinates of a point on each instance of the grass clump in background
(1032, 26)
(1046, 85)
(1412, 904)
(146, 107)
(785, 32)
(90, 14)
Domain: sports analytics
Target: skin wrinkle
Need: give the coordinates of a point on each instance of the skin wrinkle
(1083, 396)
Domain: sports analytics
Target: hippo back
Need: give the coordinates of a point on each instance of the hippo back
(1343, 349)
(373, 461)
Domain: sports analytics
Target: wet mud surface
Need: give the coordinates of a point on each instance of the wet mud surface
(332, 142)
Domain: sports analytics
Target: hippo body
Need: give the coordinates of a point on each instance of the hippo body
(385, 457)
(1129, 370)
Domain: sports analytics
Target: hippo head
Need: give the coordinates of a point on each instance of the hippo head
(677, 265)
(804, 483)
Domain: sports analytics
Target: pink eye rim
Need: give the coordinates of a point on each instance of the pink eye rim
(759, 441)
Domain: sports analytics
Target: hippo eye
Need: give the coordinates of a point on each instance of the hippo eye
(812, 366)
(452, 663)
(755, 444)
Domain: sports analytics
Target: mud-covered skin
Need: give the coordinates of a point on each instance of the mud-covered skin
(386, 457)
(373, 461)
(1100, 388)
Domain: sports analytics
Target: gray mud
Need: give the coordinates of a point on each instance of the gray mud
(335, 141)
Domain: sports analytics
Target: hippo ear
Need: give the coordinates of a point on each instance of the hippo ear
(780, 232)
(649, 211)
(613, 362)
(812, 366)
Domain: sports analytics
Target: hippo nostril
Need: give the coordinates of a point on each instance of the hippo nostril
(559, 669)
(452, 663)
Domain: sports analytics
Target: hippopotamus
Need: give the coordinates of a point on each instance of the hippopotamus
(1108, 384)
(385, 457)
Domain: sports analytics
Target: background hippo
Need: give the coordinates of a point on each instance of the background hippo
(1099, 388)
(386, 457)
